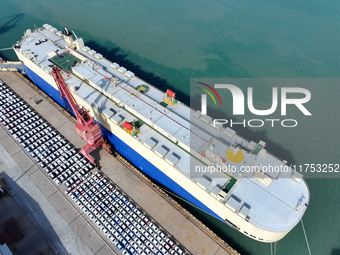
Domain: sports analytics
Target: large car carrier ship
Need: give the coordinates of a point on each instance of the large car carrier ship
(164, 138)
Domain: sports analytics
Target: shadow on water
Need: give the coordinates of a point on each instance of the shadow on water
(335, 252)
(11, 24)
(2, 56)
(43, 221)
(116, 55)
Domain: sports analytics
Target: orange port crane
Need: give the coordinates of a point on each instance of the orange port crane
(86, 127)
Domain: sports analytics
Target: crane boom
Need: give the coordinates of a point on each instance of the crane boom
(86, 127)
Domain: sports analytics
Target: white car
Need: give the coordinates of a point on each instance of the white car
(115, 233)
(154, 241)
(179, 250)
(98, 223)
(153, 226)
(105, 230)
(111, 237)
(57, 181)
(92, 217)
(170, 242)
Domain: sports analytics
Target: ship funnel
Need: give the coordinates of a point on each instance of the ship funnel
(66, 31)
(67, 35)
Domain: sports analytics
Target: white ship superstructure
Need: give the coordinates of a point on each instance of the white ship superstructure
(163, 138)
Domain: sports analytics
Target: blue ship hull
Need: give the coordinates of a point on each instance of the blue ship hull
(125, 150)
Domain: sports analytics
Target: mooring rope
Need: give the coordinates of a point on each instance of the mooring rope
(304, 232)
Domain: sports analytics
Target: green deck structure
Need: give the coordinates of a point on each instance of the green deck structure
(164, 104)
(230, 184)
(65, 61)
(258, 149)
(143, 88)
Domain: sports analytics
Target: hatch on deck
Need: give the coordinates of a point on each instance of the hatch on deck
(172, 159)
(150, 143)
(233, 203)
(244, 211)
(204, 182)
(161, 151)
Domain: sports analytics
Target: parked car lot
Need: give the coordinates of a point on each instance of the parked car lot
(125, 225)
(52, 152)
(132, 231)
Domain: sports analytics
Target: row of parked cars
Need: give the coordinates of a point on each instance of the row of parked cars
(55, 155)
(121, 221)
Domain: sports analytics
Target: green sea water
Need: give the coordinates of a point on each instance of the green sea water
(169, 42)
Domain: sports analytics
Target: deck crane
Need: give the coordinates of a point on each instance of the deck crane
(86, 127)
